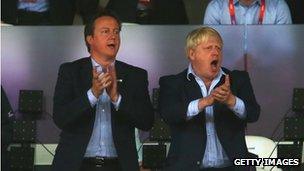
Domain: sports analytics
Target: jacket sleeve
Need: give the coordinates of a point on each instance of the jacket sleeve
(172, 103)
(246, 93)
(68, 106)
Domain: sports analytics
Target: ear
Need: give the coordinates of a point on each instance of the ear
(89, 39)
(191, 54)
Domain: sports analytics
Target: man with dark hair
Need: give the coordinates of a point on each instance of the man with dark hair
(98, 102)
(207, 108)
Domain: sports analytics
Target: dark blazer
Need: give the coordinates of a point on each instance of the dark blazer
(169, 12)
(75, 116)
(9, 11)
(125, 10)
(189, 136)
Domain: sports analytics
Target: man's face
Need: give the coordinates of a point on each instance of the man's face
(105, 41)
(206, 58)
(247, 2)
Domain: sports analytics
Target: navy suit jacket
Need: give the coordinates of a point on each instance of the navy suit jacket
(189, 136)
(74, 115)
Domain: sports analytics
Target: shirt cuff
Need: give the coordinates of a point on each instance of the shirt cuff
(239, 108)
(192, 109)
(92, 98)
(116, 104)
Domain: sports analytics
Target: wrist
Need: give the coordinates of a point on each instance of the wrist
(231, 101)
(95, 93)
(114, 97)
(204, 102)
(201, 104)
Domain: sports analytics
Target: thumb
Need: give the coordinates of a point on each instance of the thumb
(227, 80)
(95, 73)
(112, 70)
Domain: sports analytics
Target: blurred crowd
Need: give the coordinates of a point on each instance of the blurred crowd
(75, 12)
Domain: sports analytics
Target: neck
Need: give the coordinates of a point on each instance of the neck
(246, 2)
(104, 62)
(207, 81)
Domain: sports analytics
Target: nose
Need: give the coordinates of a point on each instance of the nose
(113, 35)
(215, 50)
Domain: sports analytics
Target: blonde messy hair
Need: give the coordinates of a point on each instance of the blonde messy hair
(199, 35)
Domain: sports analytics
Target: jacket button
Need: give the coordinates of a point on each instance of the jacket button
(198, 162)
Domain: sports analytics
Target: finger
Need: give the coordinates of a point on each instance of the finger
(95, 73)
(217, 98)
(112, 71)
(103, 76)
(221, 91)
(106, 79)
(107, 84)
(224, 88)
(227, 80)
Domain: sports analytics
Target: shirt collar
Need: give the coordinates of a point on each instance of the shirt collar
(190, 71)
(95, 64)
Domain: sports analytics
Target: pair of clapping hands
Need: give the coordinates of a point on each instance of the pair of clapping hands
(221, 94)
(105, 80)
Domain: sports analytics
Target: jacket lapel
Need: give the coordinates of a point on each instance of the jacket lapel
(218, 106)
(86, 74)
(120, 75)
(192, 89)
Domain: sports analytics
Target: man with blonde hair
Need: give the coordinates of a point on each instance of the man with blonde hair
(207, 108)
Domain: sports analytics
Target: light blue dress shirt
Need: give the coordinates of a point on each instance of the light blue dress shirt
(277, 12)
(101, 142)
(214, 156)
(37, 6)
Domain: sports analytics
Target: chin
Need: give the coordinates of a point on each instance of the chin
(111, 56)
(214, 74)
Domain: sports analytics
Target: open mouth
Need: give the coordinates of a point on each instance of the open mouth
(111, 45)
(214, 63)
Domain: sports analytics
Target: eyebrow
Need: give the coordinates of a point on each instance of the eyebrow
(109, 28)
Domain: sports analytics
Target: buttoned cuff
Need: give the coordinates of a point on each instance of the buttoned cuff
(192, 109)
(239, 108)
(116, 104)
(92, 98)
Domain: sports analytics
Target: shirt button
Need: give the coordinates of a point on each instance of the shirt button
(103, 110)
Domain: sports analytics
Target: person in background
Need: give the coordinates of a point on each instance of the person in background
(296, 9)
(247, 12)
(25, 12)
(62, 12)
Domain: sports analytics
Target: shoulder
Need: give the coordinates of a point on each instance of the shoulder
(77, 63)
(235, 73)
(238, 77)
(74, 65)
(216, 3)
(275, 4)
(214, 11)
(130, 69)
